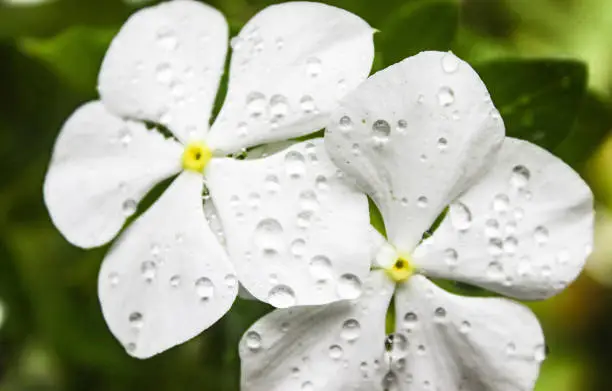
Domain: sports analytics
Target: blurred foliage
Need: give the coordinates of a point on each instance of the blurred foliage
(533, 56)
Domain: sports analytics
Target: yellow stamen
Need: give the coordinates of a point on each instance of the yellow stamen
(196, 156)
(401, 270)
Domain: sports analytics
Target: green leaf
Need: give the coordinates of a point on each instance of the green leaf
(417, 26)
(74, 55)
(539, 100)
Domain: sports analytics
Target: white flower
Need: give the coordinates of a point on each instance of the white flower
(426, 135)
(293, 227)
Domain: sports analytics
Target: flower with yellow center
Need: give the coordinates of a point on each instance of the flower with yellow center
(519, 223)
(283, 224)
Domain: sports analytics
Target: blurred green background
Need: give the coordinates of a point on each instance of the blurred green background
(548, 66)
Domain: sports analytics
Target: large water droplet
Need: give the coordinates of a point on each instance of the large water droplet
(205, 288)
(321, 267)
(380, 132)
(256, 104)
(410, 320)
(446, 96)
(460, 215)
(390, 382)
(397, 346)
(345, 123)
(450, 63)
(422, 202)
(268, 234)
(281, 296)
(313, 67)
(351, 330)
(136, 320)
(295, 164)
(349, 287)
(129, 207)
(253, 341)
(335, 352)
(520, 176)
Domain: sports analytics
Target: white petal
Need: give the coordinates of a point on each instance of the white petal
(524, 230)
(165, 65)
(101, 168)
(167, 278)
(333, 348)
(297, 233)
(291, 64)
(459, 343)
(415, 135)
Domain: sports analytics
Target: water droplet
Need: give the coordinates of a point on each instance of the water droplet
(298, 247)
(495, 271)
(307, 386)
(268, 234)
(243, 129)
(125, 136)
(204, 288)
(281, 296)
(136, 321)
(450, 63)
(402, 125)
(167, 39)
(349, 287)
(510, 349)
(492, 228)
(345, 123)
(495, 247)
(256, 104)
(129, 207)
(460, 216)
(308, 200)
(175, 281)
(304, 219)
(465, 327)
(320, 267)
(278, 106)
(321, 183)
(164, 73)
(520, 176)
(336, 352)
(446, 96)
(501, 203)
(295, 165)
(113, 279)
(313, 67)
(510, 245)
(390, 382)
(450, 257)
(540, 235)
(351, 330)
(440, 313)
(230, 280)
(148, 269)
(397, 346)
(380, 131)
(442, 144)
(539, 353)
(410, 320)
(422, 202)
(253, 341)
(307, 104)
(271, 184)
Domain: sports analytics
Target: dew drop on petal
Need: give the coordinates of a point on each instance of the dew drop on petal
(422, 202)
(295, 164)
(396, 346)
(307, 104)
(136, 321)
(204, 288)
(349, 287)
(410, 320)
(446, 96)
(450, 63)
(520, 176)
(336, 352)
(351, 330)
(346, 124)
(278, 106)
(501, 203)
(450, 257)
(148, 269)
(129, 207)
(541, 235)
(253, 341)
(320, 267)
(460, 216)
(380, 131)
(313, 67)
(255, 104)
(281, 296)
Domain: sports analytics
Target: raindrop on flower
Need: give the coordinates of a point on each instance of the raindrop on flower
(410, 320)
(281, 296)
(298, 246)
(495, 247)
(402, 125)
(307, 104)
(136, 320)
(164, 73)
(450, 63)
(167, 39)
(204, 288)
(446, 96)
(175, 281)
(320, 267)
(148, 269)
(465, 327)
(271, 184)
(125, 136)
(501, 203)
(345, 123)
(380, 131)
(422, 202)
(442, 144)
(256, 104)
(541, 235)
(321, 183)
(295, 165)
(460, 216)
(313, 67)
(450, 257)
(351, 330)
(492, 228)
(278, 106)
(336, 352)
(253, 341)
(268, 234)
(307, 386)
(349, 287)
(129, 207)
(308, 200)
(440, 313)
(510, 245)
(539, 353)
(495, 270)
(520, 176)
(397, 346)
(113, 279)
(390, 382)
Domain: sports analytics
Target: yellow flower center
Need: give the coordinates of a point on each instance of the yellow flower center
(196, 156)
(401, 270)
